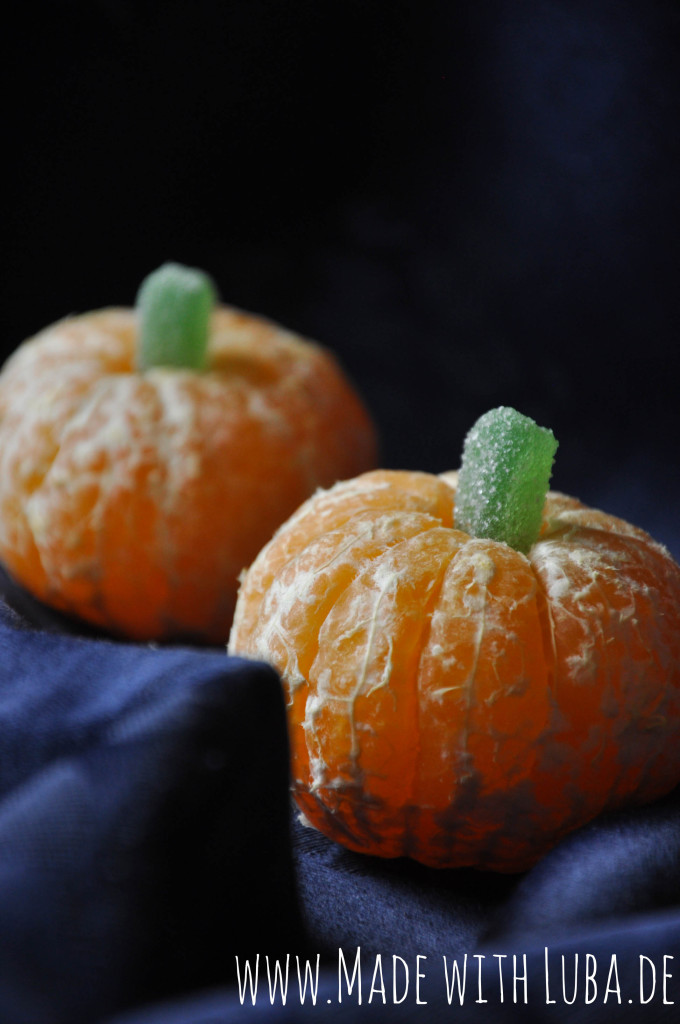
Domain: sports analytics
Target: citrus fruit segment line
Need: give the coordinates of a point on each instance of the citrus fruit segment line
(387, 584)
(428, 610)
(34, 516)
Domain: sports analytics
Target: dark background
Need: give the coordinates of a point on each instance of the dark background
(472, 203)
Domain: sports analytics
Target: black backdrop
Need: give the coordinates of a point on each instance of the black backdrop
(472, 203)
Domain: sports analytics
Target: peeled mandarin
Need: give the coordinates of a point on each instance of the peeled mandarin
(133, 493)
(453, 699)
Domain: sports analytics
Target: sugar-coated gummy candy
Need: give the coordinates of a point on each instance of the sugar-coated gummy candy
(504, 477)
(174, 304)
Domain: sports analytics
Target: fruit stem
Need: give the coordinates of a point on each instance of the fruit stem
(504, 478)
(174, 305)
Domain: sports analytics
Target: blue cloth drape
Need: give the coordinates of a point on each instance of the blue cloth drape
(148, 853)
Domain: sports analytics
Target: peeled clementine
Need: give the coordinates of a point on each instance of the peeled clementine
(450, 698)
(133, 498)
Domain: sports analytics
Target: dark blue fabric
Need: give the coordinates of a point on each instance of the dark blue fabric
(143, 823)
(148, 851)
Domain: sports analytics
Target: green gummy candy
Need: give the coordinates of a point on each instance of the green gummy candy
(174, 305)
(504, 478)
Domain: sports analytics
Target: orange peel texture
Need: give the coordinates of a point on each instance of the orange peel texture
(451, 699)
(134, 499)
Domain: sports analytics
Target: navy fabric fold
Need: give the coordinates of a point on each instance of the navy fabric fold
(591, 934)
(143, 822)
(150, 859)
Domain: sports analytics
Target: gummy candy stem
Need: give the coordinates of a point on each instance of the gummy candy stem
(174, 305)
(504, 478)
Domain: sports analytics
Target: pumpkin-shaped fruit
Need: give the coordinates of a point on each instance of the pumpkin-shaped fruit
(452, 698)
(147, 454)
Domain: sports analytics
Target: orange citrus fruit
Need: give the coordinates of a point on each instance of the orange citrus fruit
(133, 498)
(450, 698)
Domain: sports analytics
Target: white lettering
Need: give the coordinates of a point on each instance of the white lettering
(419, 1001)
(479, 957)
(642, 986)
(248, 979)
(278, 980)
(519, 977)
(591, 984)
(394, 979)
(547, 979)
(500, 957)
(666, 976)
(570, 1002)
(356, 973)
(456, 979)
(616, 988)
(312, 978)
(377, 970)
